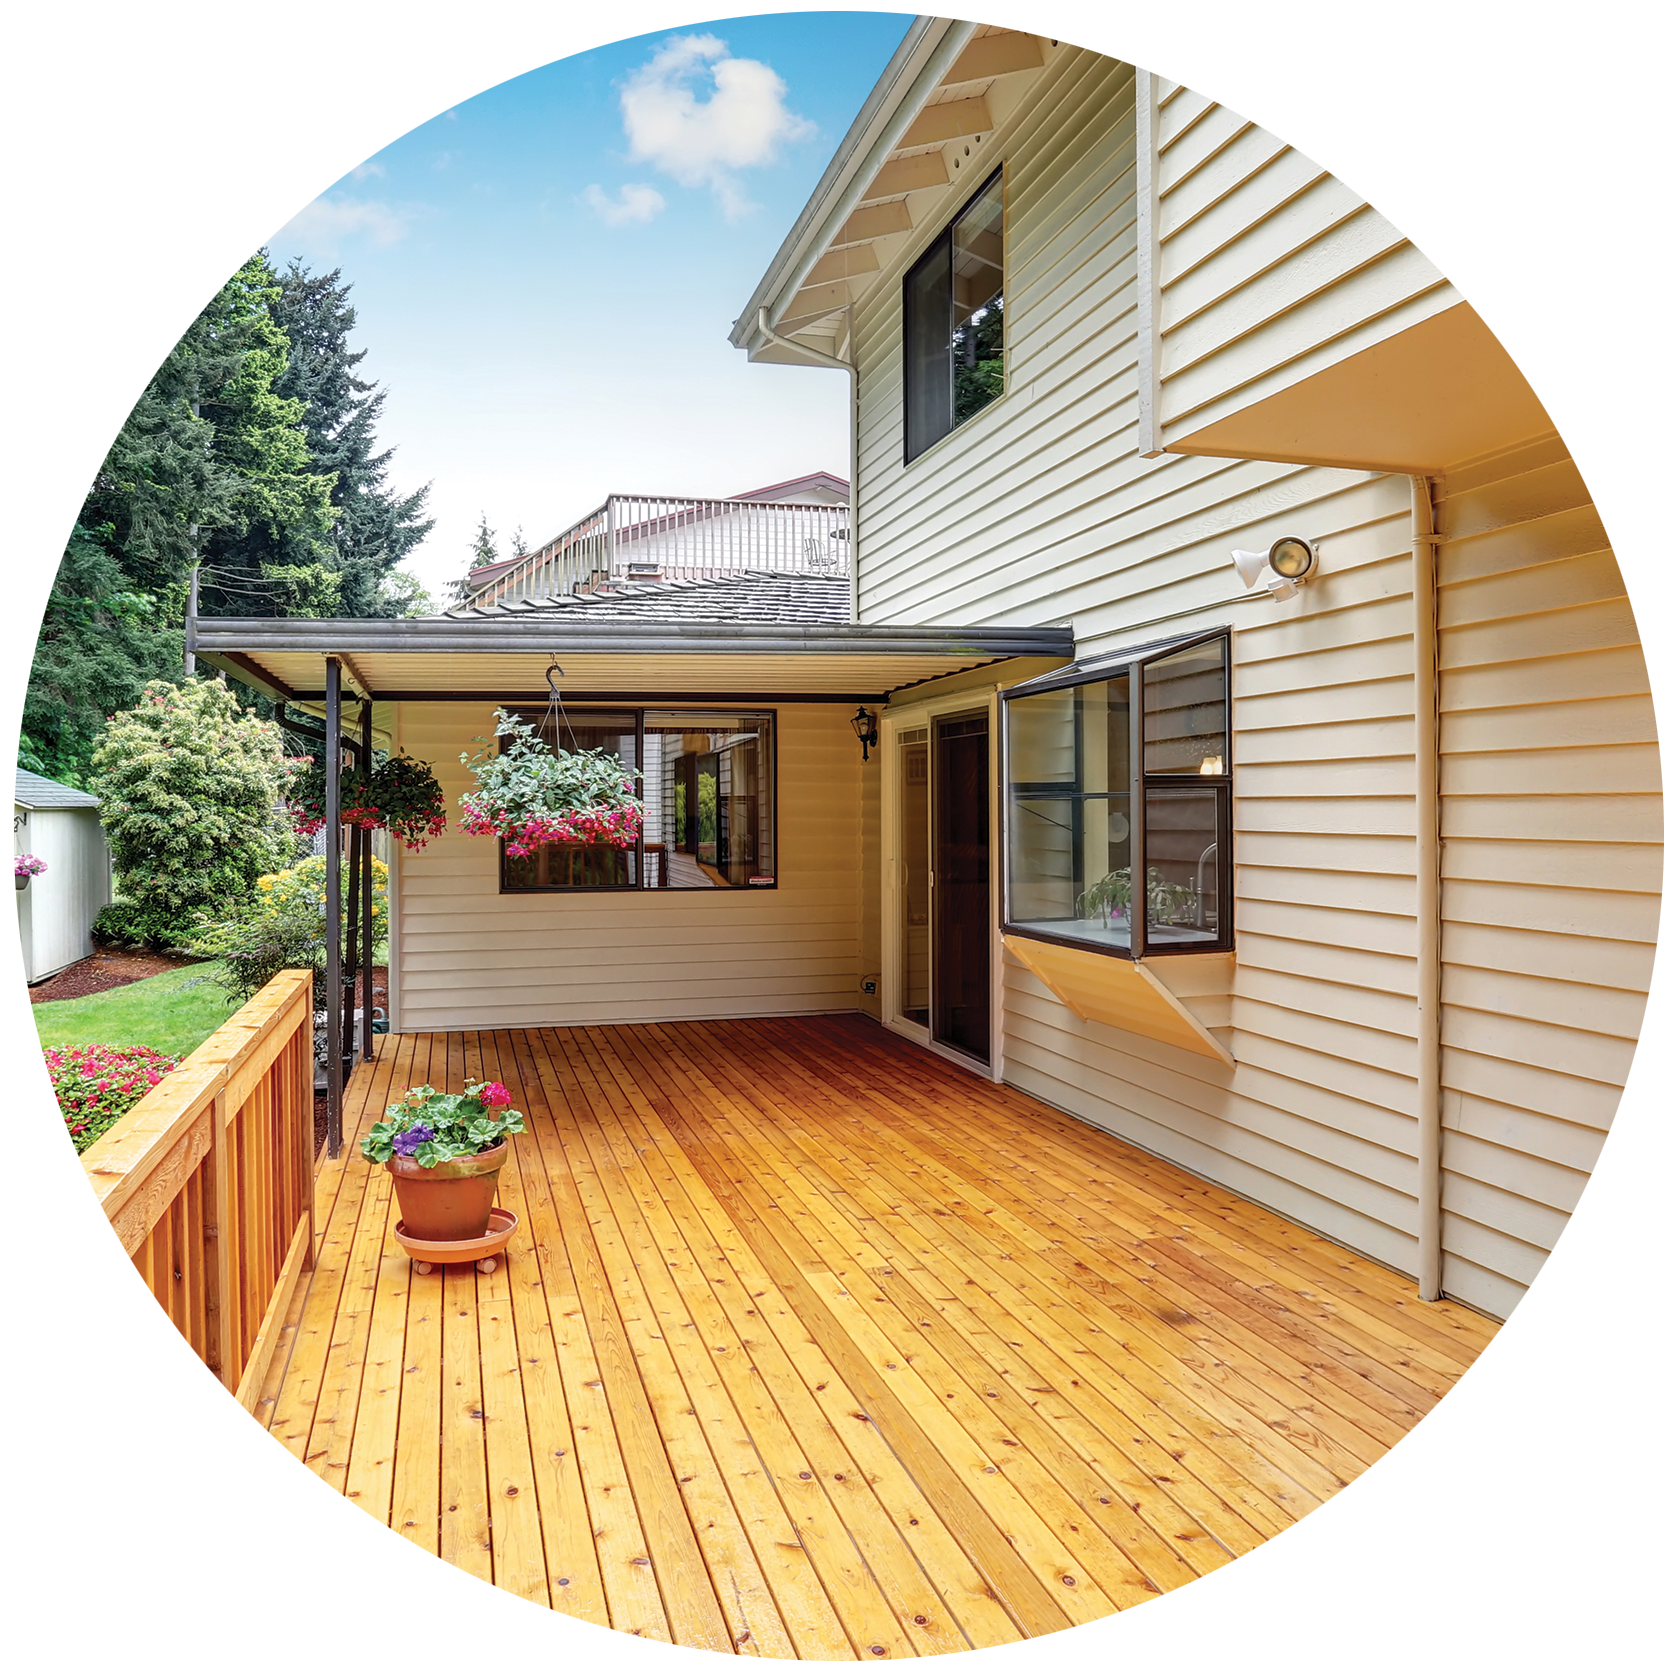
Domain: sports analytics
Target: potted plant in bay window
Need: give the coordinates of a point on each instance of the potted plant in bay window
(528, 794)
(444, 1153)
(1110, 899)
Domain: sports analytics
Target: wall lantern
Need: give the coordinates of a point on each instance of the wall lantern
(863, 726)
(1290, 561)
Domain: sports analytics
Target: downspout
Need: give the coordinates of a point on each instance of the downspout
(821, 358)
(1426, 749)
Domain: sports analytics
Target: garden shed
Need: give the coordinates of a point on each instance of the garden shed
(60, 826)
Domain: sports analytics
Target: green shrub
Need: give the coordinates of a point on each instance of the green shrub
(137, 928)
(189, 786)
(282, 925)
(97, 1084)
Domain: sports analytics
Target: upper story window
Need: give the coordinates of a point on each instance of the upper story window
(1112, 775)
(953, 323)
(707, 786)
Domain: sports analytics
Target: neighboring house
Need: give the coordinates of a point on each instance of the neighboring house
(1396, 825)
(60, 826)
(796, 526)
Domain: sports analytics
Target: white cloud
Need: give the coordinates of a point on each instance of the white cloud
(322, 225)
(636, 202)
(362, 170)
(742, 124)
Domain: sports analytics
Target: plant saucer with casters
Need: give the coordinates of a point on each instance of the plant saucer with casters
(444, 1153)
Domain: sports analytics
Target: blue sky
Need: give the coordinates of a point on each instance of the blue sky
(545, 275)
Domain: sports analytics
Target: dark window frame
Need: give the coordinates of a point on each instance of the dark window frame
(942, 243)
(1132, 662)
(581, 714)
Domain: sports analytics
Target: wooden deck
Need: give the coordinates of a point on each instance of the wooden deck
(812, 1345)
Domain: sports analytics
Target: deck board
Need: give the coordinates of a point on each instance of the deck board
(812, 1345)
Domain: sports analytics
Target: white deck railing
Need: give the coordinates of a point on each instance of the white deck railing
(661, 539)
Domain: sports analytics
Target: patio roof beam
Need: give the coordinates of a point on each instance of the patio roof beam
(243, 638)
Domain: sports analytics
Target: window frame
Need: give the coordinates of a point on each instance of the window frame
(639, 710)
(998, 178)
(1132, 662)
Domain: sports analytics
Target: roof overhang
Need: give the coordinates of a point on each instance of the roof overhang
(946, 89)
(504, 661)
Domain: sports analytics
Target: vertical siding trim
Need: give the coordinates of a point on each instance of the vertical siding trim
(1426, 711)
(1146, 102)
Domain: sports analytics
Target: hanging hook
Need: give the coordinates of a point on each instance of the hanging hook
(556, 712)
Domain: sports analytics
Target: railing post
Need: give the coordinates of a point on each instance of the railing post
(335, 923)
(305, 1121)
(367, 892)
(228, 1333)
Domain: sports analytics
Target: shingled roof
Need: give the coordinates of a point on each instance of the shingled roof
(758, 597)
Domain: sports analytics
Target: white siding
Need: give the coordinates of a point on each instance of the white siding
(1039, 510)
(56, 910)
(469, 955)
(1551, 823)
(1296, 219)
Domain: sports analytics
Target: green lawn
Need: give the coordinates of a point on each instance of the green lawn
(172, 1012)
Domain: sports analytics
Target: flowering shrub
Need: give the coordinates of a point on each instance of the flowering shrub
(188, 783)
(26, 864)
(529, 795)
(282, 925)
(430, 1127)
(96, 1084)
(402, 795)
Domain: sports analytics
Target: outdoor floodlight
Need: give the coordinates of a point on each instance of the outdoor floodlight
(1290, 560)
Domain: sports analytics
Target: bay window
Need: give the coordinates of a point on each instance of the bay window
(1119, 771)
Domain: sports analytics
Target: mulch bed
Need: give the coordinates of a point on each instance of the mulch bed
(105, 970)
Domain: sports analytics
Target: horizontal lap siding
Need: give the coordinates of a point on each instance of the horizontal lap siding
(1551, 826)
(1040, 511)
(472, 956)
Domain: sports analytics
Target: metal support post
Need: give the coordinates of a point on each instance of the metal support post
(335, 921)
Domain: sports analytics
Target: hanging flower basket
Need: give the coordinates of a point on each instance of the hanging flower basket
(25, 867)
(529, 795)
(401, 796)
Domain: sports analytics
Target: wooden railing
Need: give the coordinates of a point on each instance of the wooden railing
(208, 1181)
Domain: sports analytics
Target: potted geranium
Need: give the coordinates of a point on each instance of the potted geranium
(529, 794)
(444, 1153)
(25, 867)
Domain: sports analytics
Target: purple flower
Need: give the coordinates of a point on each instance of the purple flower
(406, 1143)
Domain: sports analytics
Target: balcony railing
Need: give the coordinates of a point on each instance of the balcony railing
(663, 539)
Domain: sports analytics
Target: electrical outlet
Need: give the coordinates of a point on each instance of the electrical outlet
(869, 988)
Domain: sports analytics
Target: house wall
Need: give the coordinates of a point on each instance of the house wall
(468, 955)
(1551, 821)
(56, 910)
(1039, 510)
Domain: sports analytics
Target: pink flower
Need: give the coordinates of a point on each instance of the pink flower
(495, 1095)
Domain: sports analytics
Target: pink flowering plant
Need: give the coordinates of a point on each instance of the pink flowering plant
(528, 795)
(97, 1084)
(431, 1126)
(402, 796)
(26, 864)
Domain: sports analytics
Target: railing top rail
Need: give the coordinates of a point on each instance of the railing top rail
(118, 1164)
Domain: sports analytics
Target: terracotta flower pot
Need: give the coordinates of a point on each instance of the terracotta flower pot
(450, 1202)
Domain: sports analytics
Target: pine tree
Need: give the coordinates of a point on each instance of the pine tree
(483, 545)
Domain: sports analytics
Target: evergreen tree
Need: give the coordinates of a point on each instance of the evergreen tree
(250, 453)
(373, 528)
(483, 545)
